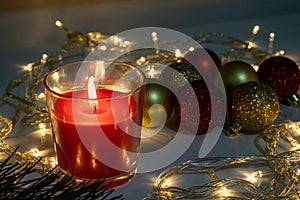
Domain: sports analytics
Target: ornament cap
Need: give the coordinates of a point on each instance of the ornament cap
(233, 130)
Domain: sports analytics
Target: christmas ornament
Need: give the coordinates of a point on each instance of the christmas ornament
(179, 74)
(254, 106)
(235, 73)
(212, 55)
(159, 103)
(187, 72)
(185, 110)
(282, 75)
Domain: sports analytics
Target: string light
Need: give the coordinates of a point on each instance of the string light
(255, 67)
(280, 53)
(191, 49)
(178, 53)
(271, 43)
(141, 60)
(34, 152)
(28, 67)
(31, 113)
(274, 178)
(286, 131)
(155, 41)
(252, 36)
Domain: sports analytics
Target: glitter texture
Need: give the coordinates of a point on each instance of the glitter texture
(282, 75)
(187, 112)
(254, 106)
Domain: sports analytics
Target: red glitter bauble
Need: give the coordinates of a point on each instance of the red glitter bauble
(187, 112)
(282, 75)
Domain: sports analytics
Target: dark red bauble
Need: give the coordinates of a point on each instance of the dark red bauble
(212, 55)
(185, 110)
(282, 75)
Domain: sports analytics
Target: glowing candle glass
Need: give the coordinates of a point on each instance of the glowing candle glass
(96, 115)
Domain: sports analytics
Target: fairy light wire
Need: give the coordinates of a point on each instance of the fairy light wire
(32, 111)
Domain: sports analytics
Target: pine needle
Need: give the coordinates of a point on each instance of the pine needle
(15, 183)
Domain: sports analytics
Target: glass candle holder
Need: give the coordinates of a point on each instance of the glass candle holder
(96, 116)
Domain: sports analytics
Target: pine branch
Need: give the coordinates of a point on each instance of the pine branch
(15, 183)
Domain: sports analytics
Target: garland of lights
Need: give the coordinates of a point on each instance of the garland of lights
(30, 110)
(251, 177)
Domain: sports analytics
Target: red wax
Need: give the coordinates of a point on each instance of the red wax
(79, 157)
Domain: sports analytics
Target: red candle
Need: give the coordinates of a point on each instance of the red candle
(73, 154)
(96, 122)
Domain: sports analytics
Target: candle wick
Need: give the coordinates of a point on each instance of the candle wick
(95, 109)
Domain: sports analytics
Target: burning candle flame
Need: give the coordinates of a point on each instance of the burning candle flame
(92, 93)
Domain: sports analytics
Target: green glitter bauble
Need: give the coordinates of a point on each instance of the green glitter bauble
(254, 106)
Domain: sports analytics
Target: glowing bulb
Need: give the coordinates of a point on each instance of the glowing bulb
(42, 126)
(178, 53)
(141, 60)
(298, 172)
(103, 48)
(150, 71)
(280, 53)
(254, 176)
(53, 162)
(271, 37)
(255, 67)
(166, 184)
(223, 189)
(255, 29)
(251, 45)
(271, 41)
(44, 58)
(116, 40)
(35, 152)
(28, 67)
(41, 96)
(59, 24)
(254, 33)
(191, 49)
(154, 36)
(126, 43)
(155, 41)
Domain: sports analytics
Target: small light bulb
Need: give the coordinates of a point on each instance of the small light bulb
(42, 126)
(141, 60)
(272, 36)
(250, 45)
(103, 48)
(41, 96)
(116, 40)
(154, 36)
(35, 152)
(28, 67)
(255, 29)
(178, 53)
(298, 172)
(59, 24)
(191, 49)
(280, 53)
(44, 58)
(255, 67)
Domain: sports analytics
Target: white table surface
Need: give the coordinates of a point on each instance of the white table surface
(25, 35)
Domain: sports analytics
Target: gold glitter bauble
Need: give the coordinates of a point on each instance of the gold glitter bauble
(254, 106)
